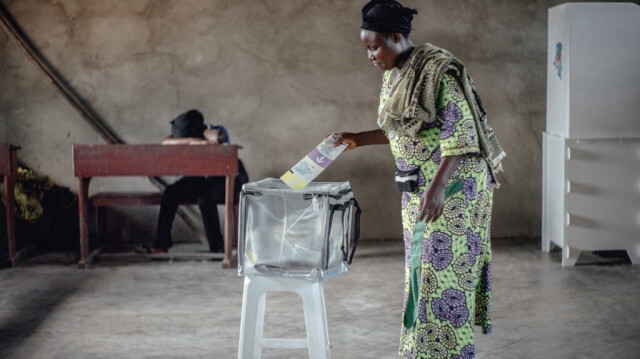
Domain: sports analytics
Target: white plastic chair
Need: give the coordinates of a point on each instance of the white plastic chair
(253, 308)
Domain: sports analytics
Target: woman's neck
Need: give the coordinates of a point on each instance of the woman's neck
(404, 55)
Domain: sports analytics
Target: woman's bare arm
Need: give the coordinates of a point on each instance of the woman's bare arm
(359, 139)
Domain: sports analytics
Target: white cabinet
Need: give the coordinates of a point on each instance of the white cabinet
(591, 147)
(591, 196)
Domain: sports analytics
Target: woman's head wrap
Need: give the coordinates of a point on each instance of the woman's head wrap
(387, 16)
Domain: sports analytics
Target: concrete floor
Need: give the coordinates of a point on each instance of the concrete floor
(140, 308)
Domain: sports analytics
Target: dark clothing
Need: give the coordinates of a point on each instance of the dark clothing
(207, 192)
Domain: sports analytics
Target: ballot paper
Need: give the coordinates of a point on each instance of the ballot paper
(308, 168)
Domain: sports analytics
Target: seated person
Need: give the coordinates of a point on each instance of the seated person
(207, 192)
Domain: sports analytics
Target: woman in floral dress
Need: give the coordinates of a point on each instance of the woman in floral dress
(433, 119)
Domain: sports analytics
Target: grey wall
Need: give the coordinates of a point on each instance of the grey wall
(280, 75)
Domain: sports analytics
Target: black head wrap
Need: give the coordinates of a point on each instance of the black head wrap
(188, 124)
(387, 16)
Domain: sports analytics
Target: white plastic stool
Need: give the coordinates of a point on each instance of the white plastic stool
(252, 323)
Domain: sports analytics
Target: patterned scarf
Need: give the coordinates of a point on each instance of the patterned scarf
(412, 101)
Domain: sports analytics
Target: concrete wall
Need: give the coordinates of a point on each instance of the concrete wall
(280, 75)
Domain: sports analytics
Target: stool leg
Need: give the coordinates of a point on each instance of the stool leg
(315, 318)
(252, 322)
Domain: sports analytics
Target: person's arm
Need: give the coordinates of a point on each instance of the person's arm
(432, 201)
(169, 140)
(215, 136)
(359, 139)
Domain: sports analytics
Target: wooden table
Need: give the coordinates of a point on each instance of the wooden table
(153, 160)
(9, 170)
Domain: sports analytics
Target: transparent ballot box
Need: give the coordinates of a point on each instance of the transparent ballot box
(292, 233)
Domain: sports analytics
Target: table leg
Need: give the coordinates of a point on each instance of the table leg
(229, 260)
(83, 208)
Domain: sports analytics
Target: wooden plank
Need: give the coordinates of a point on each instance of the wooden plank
(154, 160)
(170, 255)
(105, 199)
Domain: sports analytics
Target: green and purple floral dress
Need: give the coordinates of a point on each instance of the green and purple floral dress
(455, 275)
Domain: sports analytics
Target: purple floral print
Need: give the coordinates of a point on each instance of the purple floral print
(469, 189)
(402, 165)
(435, 155)
(474, 243)
(406, 197)
(486, 278)
(450, 115)
(440, 309)
(468, 352)
(459, 316)
(437, 250)
(453, 297)
(440, 240)
(451, 307)
(422, 310)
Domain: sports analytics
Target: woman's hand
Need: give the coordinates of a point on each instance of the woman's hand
(347, 138)
(432, 202)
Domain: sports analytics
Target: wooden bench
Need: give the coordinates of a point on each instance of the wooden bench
(107, 199)
(151, 160)
(9, 171)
